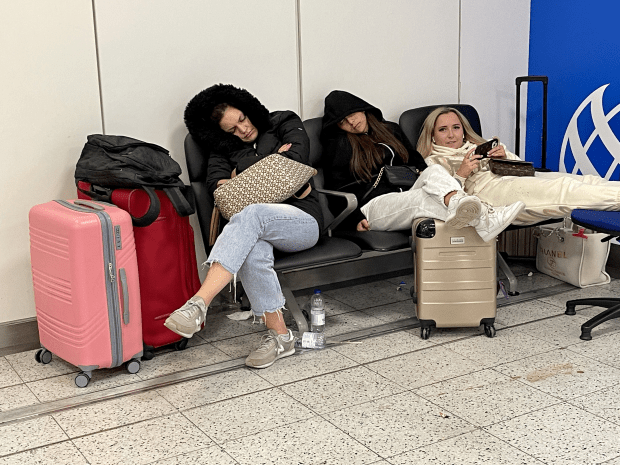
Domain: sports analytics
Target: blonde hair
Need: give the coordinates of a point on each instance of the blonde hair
(425, 144)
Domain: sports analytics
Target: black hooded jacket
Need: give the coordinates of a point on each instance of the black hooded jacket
(337, 153)
(228, 152)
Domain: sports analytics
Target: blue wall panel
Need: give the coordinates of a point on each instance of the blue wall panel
(576, 44)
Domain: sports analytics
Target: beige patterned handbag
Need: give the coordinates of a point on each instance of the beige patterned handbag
(273, 179)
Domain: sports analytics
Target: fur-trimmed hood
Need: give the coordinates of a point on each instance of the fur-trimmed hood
(207, 132)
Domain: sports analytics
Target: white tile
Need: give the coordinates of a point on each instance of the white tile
(313, 441)
(306, 364)
(508, 345)
(562, 373)
(526, 312)
(603, 348)
(144, 442)
(380, 347)
(536, 281)
(213, 388)
(61, 387)
(604, 403)
(369, 294)
(13, 397)
(396, 424)
(561, 434)
(171, 362)
(341, 389)
(247, 415)
(30, 370)
(562, 331)
(113, 413)
(424, 367)
(8, 376)
(219, 326)
(347, 322)
(393, 311)
(240, 346)
(30, 434)
(486, 397)
(469, 449)
(64, 453)
(208, 456)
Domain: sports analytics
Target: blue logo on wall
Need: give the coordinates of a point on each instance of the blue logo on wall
(590, 127)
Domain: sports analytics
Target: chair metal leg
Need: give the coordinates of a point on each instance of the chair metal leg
(512, 279)
(291, 303)
(588, 326)
(605, 302)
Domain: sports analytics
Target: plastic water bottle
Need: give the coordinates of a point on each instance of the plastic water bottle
(317, 319)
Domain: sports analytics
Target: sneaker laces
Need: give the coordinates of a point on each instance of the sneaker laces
(192, 312)
(265, 343)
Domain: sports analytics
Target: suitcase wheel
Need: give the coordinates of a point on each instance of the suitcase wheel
(43, 356)
(133, 366)
(181, 345)
(489, 330)
(425, 333)
(82, 379)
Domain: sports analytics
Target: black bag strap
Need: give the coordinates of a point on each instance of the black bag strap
(179, 201)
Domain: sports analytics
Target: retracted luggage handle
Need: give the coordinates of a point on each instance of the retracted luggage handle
(545, 82)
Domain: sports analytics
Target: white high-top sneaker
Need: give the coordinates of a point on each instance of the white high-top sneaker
(463, 209)
(493, 220)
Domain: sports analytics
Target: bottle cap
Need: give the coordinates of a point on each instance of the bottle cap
(317, 291)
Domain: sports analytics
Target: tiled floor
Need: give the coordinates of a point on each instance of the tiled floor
(534, 394)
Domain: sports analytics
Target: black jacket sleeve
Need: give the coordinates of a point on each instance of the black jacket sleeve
(415, 159)
(220, 167)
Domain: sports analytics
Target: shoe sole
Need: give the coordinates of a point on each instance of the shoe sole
(279, 356)
(172, 327)
(495, 232)
(467, 211)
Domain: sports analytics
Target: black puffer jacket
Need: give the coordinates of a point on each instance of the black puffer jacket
(337, 153)
(229, 152)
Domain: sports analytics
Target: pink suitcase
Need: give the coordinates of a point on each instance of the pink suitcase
(86, 291)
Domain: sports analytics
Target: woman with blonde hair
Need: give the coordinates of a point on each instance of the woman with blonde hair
(447, 139)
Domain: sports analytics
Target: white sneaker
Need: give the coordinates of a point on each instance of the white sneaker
(494, 220)
(188, 319)
(462, 210)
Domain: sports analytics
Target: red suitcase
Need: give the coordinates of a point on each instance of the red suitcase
(86, 290)
(166, 263)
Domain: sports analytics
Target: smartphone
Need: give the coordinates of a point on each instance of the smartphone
(483, 149)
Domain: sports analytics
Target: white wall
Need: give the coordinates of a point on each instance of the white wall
(50, 102)
(156, 54)
(494, 51)
(396, 54)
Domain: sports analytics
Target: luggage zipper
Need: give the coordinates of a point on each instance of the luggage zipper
(109, 262)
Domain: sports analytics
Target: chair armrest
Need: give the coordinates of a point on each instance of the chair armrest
(351, 206)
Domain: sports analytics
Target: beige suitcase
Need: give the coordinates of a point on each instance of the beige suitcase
(455, 277)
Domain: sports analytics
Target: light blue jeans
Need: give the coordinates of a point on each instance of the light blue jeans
(245, 247)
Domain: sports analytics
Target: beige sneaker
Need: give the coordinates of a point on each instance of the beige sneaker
(188, 319)
(462, 210)
(272, 347)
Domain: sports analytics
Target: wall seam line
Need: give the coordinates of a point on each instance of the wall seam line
(299, 68)
(98, 67)
(459, 56)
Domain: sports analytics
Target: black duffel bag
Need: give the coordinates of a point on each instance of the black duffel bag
(109, 162)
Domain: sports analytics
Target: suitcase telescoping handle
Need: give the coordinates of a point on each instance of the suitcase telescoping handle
(125, 298)
(545, 82)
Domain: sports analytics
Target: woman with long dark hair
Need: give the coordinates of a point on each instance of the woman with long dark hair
(358, 143)
(238, 130)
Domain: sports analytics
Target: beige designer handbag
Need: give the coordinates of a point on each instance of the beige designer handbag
(273, 179)
(572, 254)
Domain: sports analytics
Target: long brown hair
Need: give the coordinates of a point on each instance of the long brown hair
(367, 155)
(425, 141)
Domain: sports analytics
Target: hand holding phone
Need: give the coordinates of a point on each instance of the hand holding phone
(483, 149)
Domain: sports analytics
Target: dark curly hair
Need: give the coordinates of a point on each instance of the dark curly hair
(206, 131)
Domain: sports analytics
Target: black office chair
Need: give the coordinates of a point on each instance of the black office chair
(412, 121)
(607, 223)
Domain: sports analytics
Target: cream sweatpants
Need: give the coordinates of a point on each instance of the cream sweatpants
(397, 210)
(550, 195)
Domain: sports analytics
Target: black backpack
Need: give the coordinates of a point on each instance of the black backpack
(109, 162)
